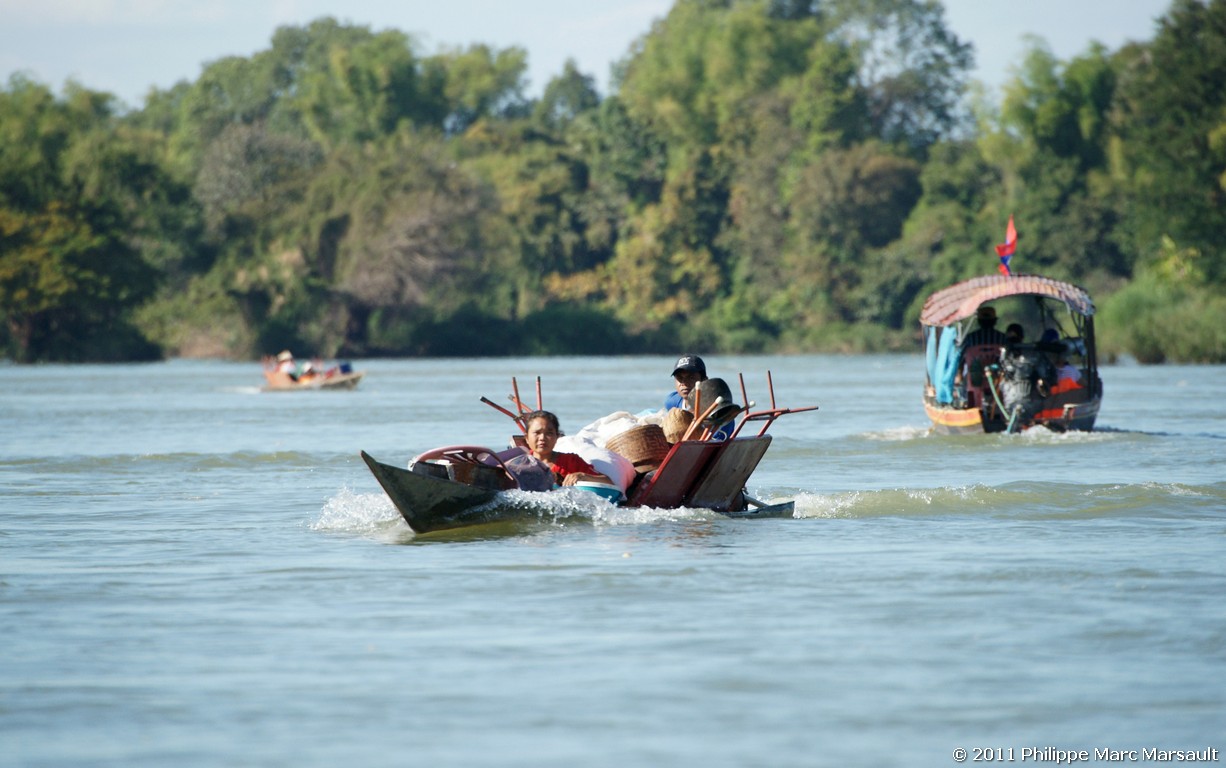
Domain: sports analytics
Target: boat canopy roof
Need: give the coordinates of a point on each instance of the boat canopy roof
(959, 301)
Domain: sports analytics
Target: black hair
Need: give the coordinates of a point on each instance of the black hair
(548, 416)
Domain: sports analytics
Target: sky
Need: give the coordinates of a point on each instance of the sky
(126, 47)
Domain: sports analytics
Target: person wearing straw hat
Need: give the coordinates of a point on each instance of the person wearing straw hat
(287, 365)
(290, 367)
(688, 372)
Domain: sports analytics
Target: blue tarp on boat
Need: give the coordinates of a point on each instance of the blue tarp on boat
(942, 359)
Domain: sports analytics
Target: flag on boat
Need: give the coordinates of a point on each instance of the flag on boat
(1005, 251)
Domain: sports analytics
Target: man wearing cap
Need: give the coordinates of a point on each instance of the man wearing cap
(688, 372)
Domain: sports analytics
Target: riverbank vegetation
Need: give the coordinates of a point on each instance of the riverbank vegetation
(766, 175)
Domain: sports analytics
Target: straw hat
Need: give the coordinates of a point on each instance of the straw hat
(676, 422)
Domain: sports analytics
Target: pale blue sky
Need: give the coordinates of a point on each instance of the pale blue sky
(128, 46)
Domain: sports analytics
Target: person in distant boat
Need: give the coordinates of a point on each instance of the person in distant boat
(290, 367)
(986, 333)
(1014, 335)
(688, 372)
(287, 365)
(1027, 376)
(969, 372)
(1067, 376)
(542, 435)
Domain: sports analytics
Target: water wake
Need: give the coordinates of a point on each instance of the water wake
(1022, 500)
(373, 515)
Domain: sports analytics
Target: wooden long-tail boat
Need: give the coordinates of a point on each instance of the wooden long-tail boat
(968, 386)
(458, 486)
(336, 377)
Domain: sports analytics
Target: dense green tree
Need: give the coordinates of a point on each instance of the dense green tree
(416, 237)
(626, 156)
(1172, 120)
(482, 82)
(244, 169)
(849, 203)
(363, 93)
(1063, 109)
(67, 281)
(567, 96)
(540, 184)
(768, 174)
(913, 68)
(1050, 144)
(692, 81)
(35, 131)
(1167, 312)
(73, 188)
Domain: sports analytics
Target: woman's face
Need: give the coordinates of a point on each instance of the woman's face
(542, 436)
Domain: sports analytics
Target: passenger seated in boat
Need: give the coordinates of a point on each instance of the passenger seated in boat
(568, 468)
(1014, 335)
(1067, 377)
(1027, 375)
(290, 367)
(688, 372)
(986, 333)
(975, 351)
(287, 365)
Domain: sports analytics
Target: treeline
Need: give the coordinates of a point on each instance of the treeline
(767, 175)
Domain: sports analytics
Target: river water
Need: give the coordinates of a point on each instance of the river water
(196, 573)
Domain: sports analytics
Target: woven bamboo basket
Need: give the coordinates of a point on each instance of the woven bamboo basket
(645, 447)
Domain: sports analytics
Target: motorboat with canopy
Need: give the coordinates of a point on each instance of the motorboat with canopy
(1050, 378)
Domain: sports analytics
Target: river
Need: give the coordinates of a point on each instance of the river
(197, 573)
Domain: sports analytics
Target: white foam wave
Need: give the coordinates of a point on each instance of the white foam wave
(362, 513)
(899, 434)
(241, 390)
(827, 505)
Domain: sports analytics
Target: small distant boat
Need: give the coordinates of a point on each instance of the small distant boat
(339, 376)
(459, 486)
(968, 387)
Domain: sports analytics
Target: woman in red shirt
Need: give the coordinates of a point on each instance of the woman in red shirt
(568, 468)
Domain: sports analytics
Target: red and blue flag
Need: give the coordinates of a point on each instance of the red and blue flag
(1005, 251)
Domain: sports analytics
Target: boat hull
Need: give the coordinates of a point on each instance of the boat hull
(281, 382)
(695, 474)
(1059, 414)
(428, 503)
